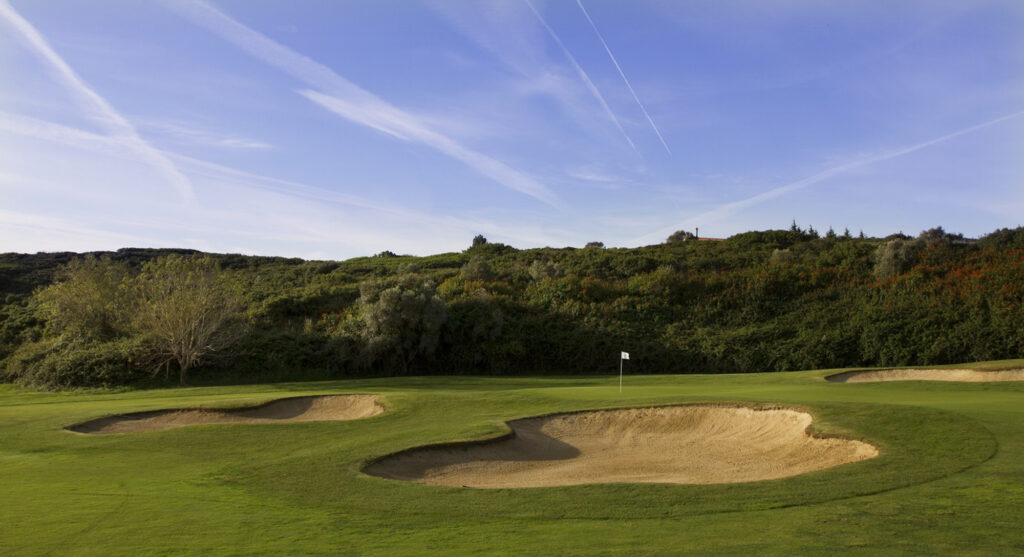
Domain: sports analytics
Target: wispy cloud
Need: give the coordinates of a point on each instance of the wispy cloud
(596, 176)
(348, 100)
(81, 139)
(397, 126)
(623, 74)
(100, 110)
(511, 32)
(28, 232)
(583, 75)
(257, 187)
(33, 127)
(293, 189)
(184, 133)
(729, 209)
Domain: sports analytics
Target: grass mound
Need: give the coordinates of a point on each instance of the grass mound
(958, 375)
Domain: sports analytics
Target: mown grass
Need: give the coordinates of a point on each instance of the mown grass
(949, 480)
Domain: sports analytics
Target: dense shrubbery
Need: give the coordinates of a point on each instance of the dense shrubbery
(105, 323)
(758, 301)
(58, 363)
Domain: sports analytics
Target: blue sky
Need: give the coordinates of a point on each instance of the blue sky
(331, 130)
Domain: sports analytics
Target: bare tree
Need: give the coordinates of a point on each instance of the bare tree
(186, 312)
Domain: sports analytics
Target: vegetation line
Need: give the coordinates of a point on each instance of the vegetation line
(761, 301)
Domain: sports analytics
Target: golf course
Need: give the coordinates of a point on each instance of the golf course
(511, 277)
(301, 476)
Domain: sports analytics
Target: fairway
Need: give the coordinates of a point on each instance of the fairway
(947, 479)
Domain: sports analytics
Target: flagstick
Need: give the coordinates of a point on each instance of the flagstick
(620, 374)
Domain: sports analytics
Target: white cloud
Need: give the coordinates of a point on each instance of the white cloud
(623, 74)
(727, 210)
(100, 110)
(387, 120)
(513, 32)
(238, 207)
(33, 127)
(596, 176)
(26, 233)
(348, 100)
(186, 133)
(583, 76)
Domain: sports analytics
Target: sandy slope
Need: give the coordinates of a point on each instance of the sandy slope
(297, 409)
(698, 444)
(963, 375)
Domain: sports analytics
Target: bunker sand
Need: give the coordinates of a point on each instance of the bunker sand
(296, 409)
(960, 375)
(697, 444)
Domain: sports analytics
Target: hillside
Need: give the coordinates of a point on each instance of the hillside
(758, 301)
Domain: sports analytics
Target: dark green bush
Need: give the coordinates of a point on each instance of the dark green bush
(56, 364)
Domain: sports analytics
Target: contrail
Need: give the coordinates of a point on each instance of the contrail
(621, 73)
(112, 146)
(405, 127)
(120, 127)
(353, 103)
(734, 207)
(583, 75)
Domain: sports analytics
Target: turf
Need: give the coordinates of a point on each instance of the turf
(948, 481)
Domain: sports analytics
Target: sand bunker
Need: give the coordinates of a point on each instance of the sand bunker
(964, 375)
(297, 409)
(697, 444)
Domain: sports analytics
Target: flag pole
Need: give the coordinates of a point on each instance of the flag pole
(622, 356)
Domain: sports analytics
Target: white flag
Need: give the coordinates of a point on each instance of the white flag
(625, 355)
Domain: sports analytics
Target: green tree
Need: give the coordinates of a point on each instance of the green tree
(681, 236)
(895, 257)
(186, 312)
(1003, 238)
(88, 302)
(540, 270)
(402, 318)
(939, 237)
(476, 269)
(472, 329)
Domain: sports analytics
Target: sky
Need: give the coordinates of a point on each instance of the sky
(330, 130)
